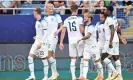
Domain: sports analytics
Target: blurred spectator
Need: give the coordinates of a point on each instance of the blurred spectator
(107, 2)
(101, 4)
(88, 4)
(7, 4)
(128, 11)
(115, 3)
(70, 2)
(60, 6)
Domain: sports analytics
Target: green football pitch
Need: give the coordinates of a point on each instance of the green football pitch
(40, 79)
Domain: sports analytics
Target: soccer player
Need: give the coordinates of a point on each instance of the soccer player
(74, 25)
(113, 37)
(91, 48)
(40, 45)
(53, 20)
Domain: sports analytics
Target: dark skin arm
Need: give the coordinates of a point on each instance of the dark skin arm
(112, 35)
(123, 40)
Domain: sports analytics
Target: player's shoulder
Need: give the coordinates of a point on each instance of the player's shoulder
(99, 23)
(56, 15)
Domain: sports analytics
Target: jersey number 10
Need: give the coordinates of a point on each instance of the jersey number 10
(72, 26)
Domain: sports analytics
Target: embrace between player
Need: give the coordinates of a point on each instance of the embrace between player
(100, 42)
(45, 41)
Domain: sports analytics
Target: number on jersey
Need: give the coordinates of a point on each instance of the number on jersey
(72, 26)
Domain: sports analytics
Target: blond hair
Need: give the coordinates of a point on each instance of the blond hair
(49, 5)
(89, 15)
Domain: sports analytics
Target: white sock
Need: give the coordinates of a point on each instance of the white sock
(72, 68)
(85, 68)
(109, 64)
(118, 66)
(53, 65)
(31, 65)
(46, 67)
(99, 68)
(81, 67)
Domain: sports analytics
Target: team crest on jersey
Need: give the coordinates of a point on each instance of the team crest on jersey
(52, 19)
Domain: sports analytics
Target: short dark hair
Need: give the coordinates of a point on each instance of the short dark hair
(110, 8)
(103, 14)
(73, 7)
(38, 10)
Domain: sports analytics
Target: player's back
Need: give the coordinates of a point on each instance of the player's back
(72, 24)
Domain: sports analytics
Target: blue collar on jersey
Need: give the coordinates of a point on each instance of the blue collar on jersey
(40, 19)
(88, 24)
(101, 22)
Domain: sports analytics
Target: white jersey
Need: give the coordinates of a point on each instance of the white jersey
(72, 24)
(53, 21)
(94, 36)
(101, 31)
(111, 20)
(39, 30)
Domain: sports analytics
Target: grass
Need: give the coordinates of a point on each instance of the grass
(40, 79)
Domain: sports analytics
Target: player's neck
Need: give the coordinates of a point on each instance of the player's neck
(89, 22)
(74, 13)
(38, 17)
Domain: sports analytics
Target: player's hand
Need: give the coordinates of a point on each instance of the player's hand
(124, 41)
(34, 37)
(56, 33)
(39, 45)
(61, 46)
(110, 45)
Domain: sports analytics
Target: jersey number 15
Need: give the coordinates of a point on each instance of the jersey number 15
(72, 26)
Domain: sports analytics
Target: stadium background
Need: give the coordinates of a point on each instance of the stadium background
(16, 38)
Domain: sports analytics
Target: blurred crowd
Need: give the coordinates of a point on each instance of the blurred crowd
(60, 5)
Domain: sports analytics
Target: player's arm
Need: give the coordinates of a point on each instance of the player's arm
(112, 34)
(81, 28)
(62, 35)
(87, 36)
(59, 20)
(81, 25)
(123, 40)
(62, 38)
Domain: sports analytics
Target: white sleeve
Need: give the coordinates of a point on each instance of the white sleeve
(65, 23)
(58, 17)
(80, 20)
(90, 29)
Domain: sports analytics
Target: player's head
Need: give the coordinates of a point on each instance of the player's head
(102, 17)
(108, 10)
(49, 8)
(37, 11)
(88, 17)
(74, 8)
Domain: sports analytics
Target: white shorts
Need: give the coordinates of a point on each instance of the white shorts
(105, 48)
(115, 49)
(52, 44)
(76, 49)
(42, 52)
(91, 51)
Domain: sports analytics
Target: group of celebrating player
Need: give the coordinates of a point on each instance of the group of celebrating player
(100, 41)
